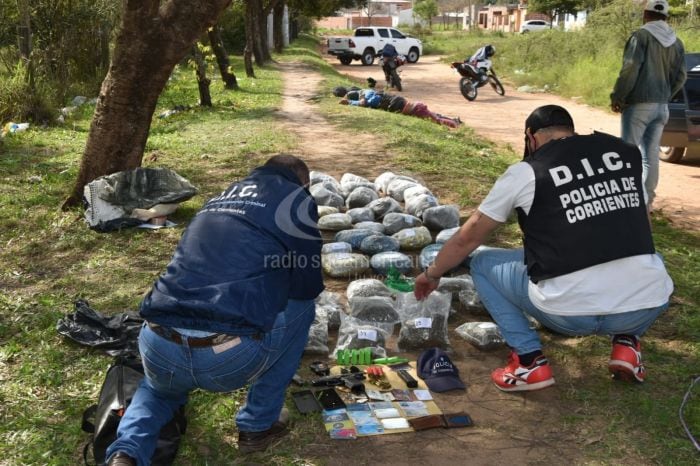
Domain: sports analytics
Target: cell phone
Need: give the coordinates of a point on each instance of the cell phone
(329, 399)
(305, 401)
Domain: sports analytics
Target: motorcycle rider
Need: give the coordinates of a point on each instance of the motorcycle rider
(481, 61)
(389, 63)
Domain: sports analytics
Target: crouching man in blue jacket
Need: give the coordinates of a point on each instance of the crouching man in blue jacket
(233, 307)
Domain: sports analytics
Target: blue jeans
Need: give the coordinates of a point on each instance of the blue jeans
(642, 125)
(500, 278)
(173, 370)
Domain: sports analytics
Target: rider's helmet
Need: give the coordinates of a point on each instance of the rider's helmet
(490, 51)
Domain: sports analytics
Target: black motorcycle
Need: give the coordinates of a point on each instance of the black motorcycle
(390, 67)
(473, 78)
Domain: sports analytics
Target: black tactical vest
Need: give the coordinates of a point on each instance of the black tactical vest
(588, 206)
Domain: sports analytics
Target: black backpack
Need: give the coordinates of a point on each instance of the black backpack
(101, 420)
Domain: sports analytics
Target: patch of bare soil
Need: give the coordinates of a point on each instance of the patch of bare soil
(501, 119)
(524, 428)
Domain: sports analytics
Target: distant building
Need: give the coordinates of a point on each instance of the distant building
(377, 13)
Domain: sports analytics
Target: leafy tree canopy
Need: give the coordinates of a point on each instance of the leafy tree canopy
(554, 7)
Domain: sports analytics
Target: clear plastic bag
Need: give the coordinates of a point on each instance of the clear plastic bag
(355, 334)
(343, 264)
(374, 309)
(423, 323)
(483, 335)
(367, 287)
(317, 343)
(330, 301)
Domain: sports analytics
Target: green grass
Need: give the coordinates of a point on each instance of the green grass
(49, 258)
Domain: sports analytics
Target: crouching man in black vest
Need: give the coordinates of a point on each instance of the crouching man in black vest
(588, 264)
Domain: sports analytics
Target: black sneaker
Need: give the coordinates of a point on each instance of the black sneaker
(250, 442)
(121, 459)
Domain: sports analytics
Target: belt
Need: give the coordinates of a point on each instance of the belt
(194, 342)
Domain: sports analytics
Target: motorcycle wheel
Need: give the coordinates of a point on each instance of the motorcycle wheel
(468, 89)
(396, 80)
(496, 85)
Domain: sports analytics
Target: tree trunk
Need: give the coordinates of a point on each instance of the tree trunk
(202, 81)
(151, 40)
(278, 26)
(24, 38)
(248, 60)
(217, 45)
(253, 11)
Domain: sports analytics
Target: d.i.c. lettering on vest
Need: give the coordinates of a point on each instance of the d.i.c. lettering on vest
(597, 196)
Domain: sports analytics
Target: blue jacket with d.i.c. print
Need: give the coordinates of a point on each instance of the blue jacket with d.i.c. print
(243, 256)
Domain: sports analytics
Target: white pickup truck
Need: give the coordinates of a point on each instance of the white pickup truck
(367, 41)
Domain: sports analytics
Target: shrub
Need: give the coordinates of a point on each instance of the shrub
(21, 100)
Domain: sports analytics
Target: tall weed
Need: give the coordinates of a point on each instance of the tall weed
(20, 100)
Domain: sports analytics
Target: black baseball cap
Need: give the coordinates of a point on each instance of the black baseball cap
(544, 117)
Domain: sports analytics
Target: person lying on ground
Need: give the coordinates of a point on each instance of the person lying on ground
(588, 265)
(231, 309)
(368, 98)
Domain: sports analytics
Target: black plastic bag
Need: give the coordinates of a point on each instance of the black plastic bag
(102, 419)
(116, 335)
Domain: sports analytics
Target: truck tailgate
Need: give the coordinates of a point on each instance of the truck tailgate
(339, 43)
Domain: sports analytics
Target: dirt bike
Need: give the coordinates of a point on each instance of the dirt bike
(472, 79)
(390, 67)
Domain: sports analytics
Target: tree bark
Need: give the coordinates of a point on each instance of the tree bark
(151, 40)
(202, 81)
(253, 10)
(277, 26)
(248, 60)
(217, 45)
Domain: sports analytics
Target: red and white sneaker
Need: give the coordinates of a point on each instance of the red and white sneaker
(626, 360)
(516, 378)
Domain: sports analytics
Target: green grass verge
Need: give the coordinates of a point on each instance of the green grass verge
(49, 258)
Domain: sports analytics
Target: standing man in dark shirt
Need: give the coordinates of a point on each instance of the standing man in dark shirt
(233, 307)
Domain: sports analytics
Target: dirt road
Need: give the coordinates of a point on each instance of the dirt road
(501, 119)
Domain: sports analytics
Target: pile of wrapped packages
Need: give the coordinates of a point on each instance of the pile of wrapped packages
(370, 228)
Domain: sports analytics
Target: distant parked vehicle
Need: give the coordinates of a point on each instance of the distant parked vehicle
(367, 41)
(534, 25)
(681, 136)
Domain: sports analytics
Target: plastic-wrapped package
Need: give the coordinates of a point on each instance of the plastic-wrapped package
(361, 214)
(343, 264)
(354, 236)
(456, 284)
(414, 191)
(338, 246)
(326, 210)
(317, 177)
(483, 335)
(383, 206)
(355, 334)
(413, 238)
(317, 343)
(395, 222)
(418, 204)
(350, 182)
(427, 255)
(379, 243)
(469, 299)
(397, 187)
(374, 226)
(360, 197)
(441, 217)
(335, 222)
(330, 301)
(445, 235)
(383, 261)
(374, 309)
(367, 287)
(423, 323)
(323, 196)
(381, 183)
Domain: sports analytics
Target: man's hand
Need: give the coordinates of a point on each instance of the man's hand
(424, 286)
(343, 101)
(615, 107)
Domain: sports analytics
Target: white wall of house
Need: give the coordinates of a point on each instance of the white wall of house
(571, 22)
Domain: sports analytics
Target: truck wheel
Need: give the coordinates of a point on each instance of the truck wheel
(413, 55)
(368, 56)
(671, 154)
(345, 60)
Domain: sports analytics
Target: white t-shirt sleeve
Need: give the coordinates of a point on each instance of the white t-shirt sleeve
(515, 188)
